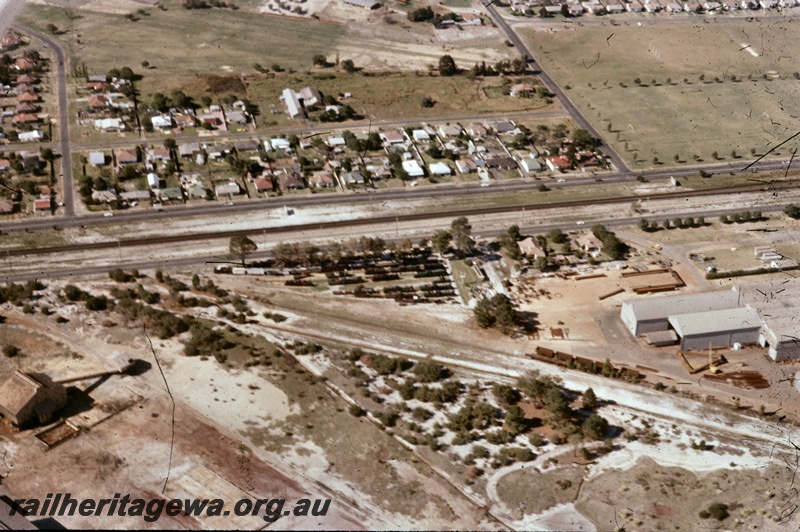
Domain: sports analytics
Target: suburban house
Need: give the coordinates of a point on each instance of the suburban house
(263, 185)
(393, 137)
(28, 79)
(189, 149)
(246, 145)
(185, 120)
(97, 86)
(530, 248)
(413, 169)
(161, 122)
(557, 162)
(104, 196)
(476, 130)
(26, 108)
(501, 163)
(31, 136)
(506, 126)
(9, 41)
(97, 101)
(227, 189)
(292, 181)
(25, 118)
(6, 206)
(24, 63)
(420, 135)
(447, 131)
(153, 181)
(109, 125)
(124, 157)
(28, 97)
(353, 178)
(135, 195)
(439, 169)
(466, 165)
(41, 205)
(171, 194)
(236, 117)
(530, 165)
(5, 165)
(282, 144)
(522, 90)
(310, 97)
(590, 244)
(214, 119)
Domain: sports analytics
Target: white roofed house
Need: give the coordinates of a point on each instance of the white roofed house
(153, 180)
(412, 168)
(161, 122)
(31, 136)
(310, 96)
(440, 169)
(420, 135)
(449, 130)
(227, 189)
(530, 165)
(109, 125)
(292, 102)
(97, 158)
(280, 143)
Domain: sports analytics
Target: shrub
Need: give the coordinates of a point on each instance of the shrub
(357, 411)
(10, 350)
(428, 371)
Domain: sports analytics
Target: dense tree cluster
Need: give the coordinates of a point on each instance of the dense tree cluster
(497, 311)
(612, 246)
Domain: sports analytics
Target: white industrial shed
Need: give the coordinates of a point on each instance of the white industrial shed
(720, 328)
(782, 335)
(652, 314)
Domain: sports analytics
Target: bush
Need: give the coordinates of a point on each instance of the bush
(120, 276)
(10, 350)
(718, 511)
(428, 371)
(505, 394)
(537, 440)
(61, 319)
(357, 411)
(385, 365)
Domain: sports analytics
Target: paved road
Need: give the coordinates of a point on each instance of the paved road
(581, 120)
(63, 119)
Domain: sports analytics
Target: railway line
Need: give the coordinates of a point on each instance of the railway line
(565, 205)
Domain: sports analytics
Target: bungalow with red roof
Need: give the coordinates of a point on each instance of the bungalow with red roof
(25, 118)
(41, 205)
(5, 164)
(24, 63)
(264, 185)
(124, 157)
(185, 120)
(97, 101)
(9, 41)
(26, 108)
(557, 163)
(29, 97)
(97, 86)
(27, 78)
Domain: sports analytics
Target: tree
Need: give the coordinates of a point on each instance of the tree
(515, 420)
(557, 405)
(348, 66)
(145, 64)
(440, 241)
(582, 139)
(595, 427)
(644, 225)
(513, 232)
(241, 247)
(320, 60)
(461, 230)
(557, 236)
(497, 311)
(589, 399)
(422, 14)
(714, 155)
(52, 28)
(447, 66)
(792, 211)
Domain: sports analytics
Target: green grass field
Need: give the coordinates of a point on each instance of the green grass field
(680, 114)
(180, 41)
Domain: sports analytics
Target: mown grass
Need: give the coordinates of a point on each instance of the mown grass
(672, 116)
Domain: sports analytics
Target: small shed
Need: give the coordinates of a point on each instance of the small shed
(28, 398)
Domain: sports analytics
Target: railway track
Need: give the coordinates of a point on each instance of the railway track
(566, 205)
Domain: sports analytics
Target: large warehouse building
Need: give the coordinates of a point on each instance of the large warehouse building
(766, 314)
(652, 314)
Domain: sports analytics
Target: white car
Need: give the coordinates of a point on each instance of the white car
(580, 222)
(108, 214)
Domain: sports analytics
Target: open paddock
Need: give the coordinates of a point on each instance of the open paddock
(693, 96)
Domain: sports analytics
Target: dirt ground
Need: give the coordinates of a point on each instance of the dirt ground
(271, 431)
